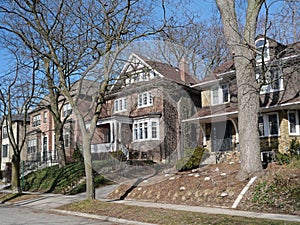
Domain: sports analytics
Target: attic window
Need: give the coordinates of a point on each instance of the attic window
(262, 47)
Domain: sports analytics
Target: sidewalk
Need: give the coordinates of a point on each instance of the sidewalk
(52, 201)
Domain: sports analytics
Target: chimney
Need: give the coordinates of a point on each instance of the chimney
(183, 69)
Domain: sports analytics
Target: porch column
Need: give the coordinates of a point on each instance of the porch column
(236, 130)
(203, 132)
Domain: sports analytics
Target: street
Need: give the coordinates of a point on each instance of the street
(15, 215)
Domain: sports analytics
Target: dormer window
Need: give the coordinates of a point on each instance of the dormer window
(67, 110)
(271, 81)
(220, 94)
(262, 47)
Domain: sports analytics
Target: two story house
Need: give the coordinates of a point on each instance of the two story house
(143, 112)
(41, 131)
(278, 72)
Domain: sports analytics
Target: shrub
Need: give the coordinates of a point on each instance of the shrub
(292, 154)
(119, 155)
(191, 160)
(77, 155)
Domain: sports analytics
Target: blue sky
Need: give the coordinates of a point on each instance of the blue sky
(204, 8)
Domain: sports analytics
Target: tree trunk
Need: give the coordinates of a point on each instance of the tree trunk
(90, 189)
(15, 176)
(248, 101)
(59, 143)
(248, 89)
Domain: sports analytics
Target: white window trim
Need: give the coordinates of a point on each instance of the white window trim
(67, 110)
(267, 47)
(36, 120)
(268, 87)
(297, 123)
(266, 125)
(136, 128)
(120, 105)
(149, 99)
(220, 94)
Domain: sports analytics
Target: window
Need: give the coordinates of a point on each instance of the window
(4, 151)
(67, 110)
(66, 138)
(262, 47)
(4, 132)
(261, 128)
(146, 129)
(31, 146)
(45, 117)
(154, 129)
(220, 94)
(145, 99)
(120, 105)
(36, 120)
(268, 125)
(271, 81)
(294, 125)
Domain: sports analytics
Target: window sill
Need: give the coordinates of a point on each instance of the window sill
(294, 134)
(144, 106)
(270, 136)
(143, 140)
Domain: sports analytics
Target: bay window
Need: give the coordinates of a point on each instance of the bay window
(146, 129)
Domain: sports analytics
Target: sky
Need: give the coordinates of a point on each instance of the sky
(204, 8)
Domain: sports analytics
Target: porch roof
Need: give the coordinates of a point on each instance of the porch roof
(216, 113)
(115, 118)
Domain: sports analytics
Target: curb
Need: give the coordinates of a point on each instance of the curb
(104, 218)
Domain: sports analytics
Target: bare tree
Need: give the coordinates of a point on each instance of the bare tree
(16, 94)
(74, 38)
(241, 42)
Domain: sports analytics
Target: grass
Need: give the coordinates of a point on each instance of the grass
(12, 198)
(161, 216)
(66, 180)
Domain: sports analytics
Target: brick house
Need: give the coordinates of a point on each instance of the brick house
(41, 131)
(279, 101)
(143, 111)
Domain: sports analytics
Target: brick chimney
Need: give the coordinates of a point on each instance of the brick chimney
(183, 69)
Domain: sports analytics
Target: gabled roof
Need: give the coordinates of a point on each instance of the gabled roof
(171, 72)
(163, 70)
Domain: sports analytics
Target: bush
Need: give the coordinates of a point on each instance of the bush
(191, 160)
(293, 154)
(77, 155)
(119, 155)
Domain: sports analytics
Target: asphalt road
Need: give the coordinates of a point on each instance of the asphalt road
(15, 215)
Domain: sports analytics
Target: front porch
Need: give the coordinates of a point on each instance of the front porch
(113, 133)
(218, 133)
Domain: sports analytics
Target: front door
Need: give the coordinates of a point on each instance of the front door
(221, 134)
